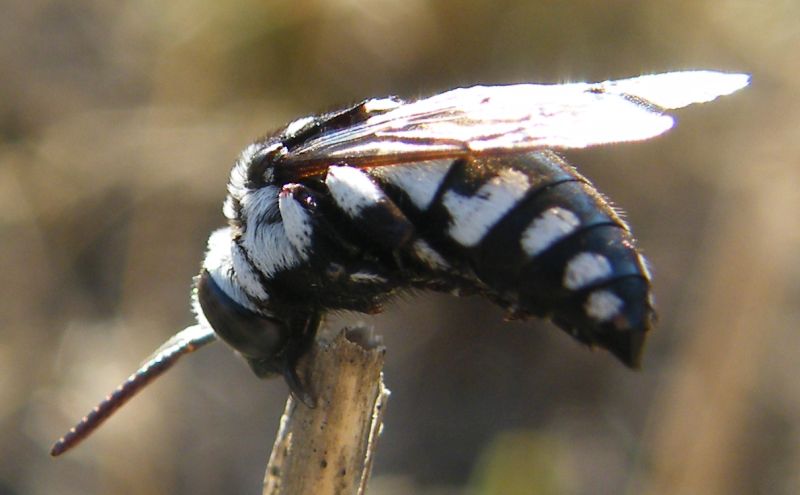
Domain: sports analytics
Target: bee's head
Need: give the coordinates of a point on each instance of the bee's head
(222, 301)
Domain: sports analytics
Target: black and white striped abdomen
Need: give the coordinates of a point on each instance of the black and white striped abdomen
(537, 236)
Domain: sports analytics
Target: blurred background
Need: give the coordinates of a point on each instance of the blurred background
(119, 122)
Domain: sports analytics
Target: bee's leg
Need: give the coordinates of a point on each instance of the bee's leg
(308, 229)
(372, 212)
(303, 333)
(298, 206)
(308, 226)
(352, 271)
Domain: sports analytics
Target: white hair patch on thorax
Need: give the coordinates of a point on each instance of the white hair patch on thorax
(260, 205)
(270, 249)
(245, 274)
(352, 189)
(296, 222)
(603, 305)
(220, 265)
(584, 269)
(419, 180)
(238, 190)
(238, 178)
(471, 217)
(549, 227)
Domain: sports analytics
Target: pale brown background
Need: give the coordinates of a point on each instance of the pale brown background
(119, 122)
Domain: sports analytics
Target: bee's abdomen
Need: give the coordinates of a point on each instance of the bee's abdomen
(544, 242)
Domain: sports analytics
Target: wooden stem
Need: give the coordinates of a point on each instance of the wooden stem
(329, 449)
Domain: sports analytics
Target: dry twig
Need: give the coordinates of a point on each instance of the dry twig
(329, 449)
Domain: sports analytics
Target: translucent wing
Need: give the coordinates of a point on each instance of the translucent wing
(510, 119)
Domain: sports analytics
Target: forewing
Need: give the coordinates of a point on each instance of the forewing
(510, 119)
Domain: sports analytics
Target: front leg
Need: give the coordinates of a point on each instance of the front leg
(298, 346)
(372, 212)
(301, 332)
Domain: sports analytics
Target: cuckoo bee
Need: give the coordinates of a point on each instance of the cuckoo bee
(460, 192)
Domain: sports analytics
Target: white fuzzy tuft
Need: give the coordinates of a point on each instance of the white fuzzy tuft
(265, 240)
(298, 124)
(602, 305)
(237, 184)
(219, 264)
(584, 269)
(471, 217)
(367, 278)
(352, 189)
(548, 228)
(420, 180)
(425, 253)
(296, 222)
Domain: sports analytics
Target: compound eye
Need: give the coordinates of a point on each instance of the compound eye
(253, 335)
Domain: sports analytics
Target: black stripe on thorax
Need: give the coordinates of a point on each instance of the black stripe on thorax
(266, 285)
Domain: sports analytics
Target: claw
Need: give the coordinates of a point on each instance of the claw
(297, 387)
(296, 349)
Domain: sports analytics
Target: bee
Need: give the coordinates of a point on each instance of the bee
(461, 192)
